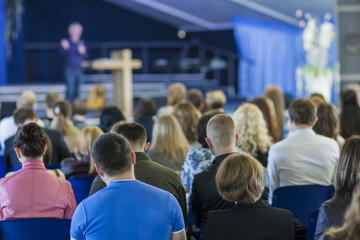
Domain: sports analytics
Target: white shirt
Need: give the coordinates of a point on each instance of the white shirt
(303, 158)
(7, 129)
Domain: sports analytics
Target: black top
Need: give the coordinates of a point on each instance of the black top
(60, 150)
(255, 221)
(154, 174)
(74, 168)
(205, 196)
(148, 123)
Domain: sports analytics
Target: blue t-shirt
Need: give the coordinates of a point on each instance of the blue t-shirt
(127, 210)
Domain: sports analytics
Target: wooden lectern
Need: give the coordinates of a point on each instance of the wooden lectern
(122, 65)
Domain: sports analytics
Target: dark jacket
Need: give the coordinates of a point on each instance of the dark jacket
(255, 221)
(331, 214)
(60, 150)
(154, 174)
(205, 196)
(74, 168)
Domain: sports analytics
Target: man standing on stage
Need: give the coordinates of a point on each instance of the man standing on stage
(74, 52)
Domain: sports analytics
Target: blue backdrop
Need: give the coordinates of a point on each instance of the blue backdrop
(3, 78)
(269, 54)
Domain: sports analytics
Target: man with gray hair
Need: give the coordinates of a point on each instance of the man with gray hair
(8, 127)
(221, 138)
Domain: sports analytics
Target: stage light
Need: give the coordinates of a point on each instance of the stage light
(308, 16)
(302, 23)
(181, 34)
(328, 16)
(298, 13)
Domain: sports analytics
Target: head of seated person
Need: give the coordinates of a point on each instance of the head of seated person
(188, 118)
(135, 133)
(240, 179)
(109, 116)
(201, 127)
(215, 100)
(114, 158)
(302, 114)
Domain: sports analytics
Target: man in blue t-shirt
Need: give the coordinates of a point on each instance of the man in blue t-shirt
(126, 208)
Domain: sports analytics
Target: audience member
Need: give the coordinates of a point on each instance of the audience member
(355, 87)
(109, 116)
(221, 138)
(317, 99)
(142, 210)
(50, 100)
(350, 229)
(83, 165)
(144, 114)
(304, 157)
(276, 95)
(176, 94)
(239, 179)
(62, 123)
(22, 116)
(32, 192)
(188, 118)
(79, 111)
(215, 100)
(346, 177)
(350, 114)
(169, 146)
(195, 97)
(145, 169)
(328, 123)
(7, 125)
(267, 108)
(198, 159)
(253, 134)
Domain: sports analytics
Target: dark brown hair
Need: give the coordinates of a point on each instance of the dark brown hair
(145, 107)
(302, 111)
(22, 114)
(79, 107)
(328, 121)
(276, 95)
(31, 140)
(51, 99)
(195, 97)
(201, 127)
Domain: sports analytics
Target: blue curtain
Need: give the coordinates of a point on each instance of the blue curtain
(3, 77)
(269, 54)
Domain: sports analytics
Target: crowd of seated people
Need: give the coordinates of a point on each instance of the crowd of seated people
(186, 169)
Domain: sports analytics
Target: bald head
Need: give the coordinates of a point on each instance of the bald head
(27, 100)
(221, 130)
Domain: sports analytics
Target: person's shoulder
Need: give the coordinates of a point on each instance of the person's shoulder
(325, 139)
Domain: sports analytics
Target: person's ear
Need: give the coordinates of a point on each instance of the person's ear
(208, 141)
(18, 153)
(99, 170)
(133, 158)
(236, 138)
(291, 120)
(315, 121)
(146, 146)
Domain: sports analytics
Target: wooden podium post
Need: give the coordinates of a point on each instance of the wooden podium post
(122, 65)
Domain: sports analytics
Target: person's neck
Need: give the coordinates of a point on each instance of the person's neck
(75, 40)
(24, 159)
(49, 113)
(224, 150)
(300, 127)
(120, 177)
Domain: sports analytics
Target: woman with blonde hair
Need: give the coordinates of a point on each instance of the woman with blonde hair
(176, 94)
(276, 95)
(188, 118)
(215, 100)
(267, 108)
(83, 165)
(254, 136)
(169, 146)
(62, 123)
(239, 179)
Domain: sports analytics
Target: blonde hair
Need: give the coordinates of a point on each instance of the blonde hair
(176, 93)
(168, 137)
(221, 130)
(275, 93)
(252, 129)
(62, 109)
(351, 226)
(188, 118)
(85, 140)
(240, 178)
(215, 99)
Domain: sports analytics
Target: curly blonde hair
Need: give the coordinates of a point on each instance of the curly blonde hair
(252, 129)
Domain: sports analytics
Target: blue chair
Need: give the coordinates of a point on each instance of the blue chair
(54, 166)
(35, 228)
(2, 166)
(301, 200)
(312, 224)
(81, 187)
(15, 168)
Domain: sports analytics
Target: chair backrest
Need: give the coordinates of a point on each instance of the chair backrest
(301, 200)
(81, 187)
(312, 224)
(54, 166)
(35, 228)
